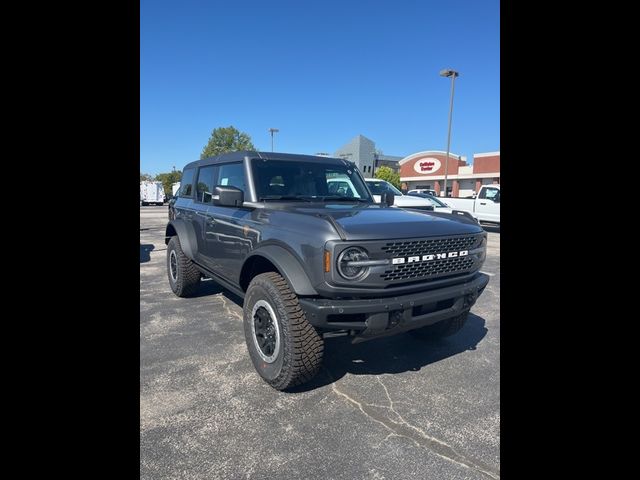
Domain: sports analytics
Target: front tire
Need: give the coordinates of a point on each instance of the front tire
(286, 350)
(442, 329)
(184, 277)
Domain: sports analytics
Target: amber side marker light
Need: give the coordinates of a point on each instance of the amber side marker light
(327, 261)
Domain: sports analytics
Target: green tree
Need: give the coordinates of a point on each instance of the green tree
(226, 139)
(145, 177)
(168, 179)
(385, 173)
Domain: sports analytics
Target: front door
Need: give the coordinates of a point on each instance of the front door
(488, 204)
(227, 229)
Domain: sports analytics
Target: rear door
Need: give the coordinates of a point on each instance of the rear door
(488, 204)
(202, 222)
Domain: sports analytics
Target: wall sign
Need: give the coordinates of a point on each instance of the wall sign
(427, 165)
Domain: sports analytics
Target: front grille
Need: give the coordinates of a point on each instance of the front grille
(430, 268)
(410, 271)
(428, 247)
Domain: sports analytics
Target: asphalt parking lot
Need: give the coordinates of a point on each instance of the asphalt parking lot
(391, 408)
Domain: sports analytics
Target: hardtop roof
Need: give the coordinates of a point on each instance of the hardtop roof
(291, 157)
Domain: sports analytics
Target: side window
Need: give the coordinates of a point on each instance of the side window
(489, 193)
(186, 183)
(232, 175)
(206, 181)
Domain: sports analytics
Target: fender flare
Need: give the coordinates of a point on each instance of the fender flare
(185, 234)
(288, 266)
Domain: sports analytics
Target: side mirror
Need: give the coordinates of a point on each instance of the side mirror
(228, 196)
(387, 198)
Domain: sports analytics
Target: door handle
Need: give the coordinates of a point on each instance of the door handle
(483, 203)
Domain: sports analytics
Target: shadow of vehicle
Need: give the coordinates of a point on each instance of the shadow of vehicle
(396, 354)
(145, 251)
(210, 287)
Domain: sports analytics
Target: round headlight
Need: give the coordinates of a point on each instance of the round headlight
(352, 254)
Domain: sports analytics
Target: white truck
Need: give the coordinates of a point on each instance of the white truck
(174, 188)
(151, 192)
(485, 207)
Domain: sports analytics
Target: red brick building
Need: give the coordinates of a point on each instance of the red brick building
(427, 170)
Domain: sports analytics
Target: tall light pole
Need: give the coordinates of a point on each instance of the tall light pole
(453, 74)
(273, 130)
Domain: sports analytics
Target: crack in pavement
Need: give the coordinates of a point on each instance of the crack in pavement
(411, 432)
(227, 308)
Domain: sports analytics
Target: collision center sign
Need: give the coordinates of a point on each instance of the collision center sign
(427, 165)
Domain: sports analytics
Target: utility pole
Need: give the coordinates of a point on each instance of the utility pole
(453, 74)
(273, 130)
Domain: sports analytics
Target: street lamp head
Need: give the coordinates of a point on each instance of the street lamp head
(447, 72)
(274, 130)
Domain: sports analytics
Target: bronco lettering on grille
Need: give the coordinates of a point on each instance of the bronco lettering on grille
(428, 258)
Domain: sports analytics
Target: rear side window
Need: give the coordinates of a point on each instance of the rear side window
(206, 182)
(186, 183)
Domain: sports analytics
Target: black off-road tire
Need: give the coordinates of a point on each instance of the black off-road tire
(300, 349)
(187, 275)
(445, 328)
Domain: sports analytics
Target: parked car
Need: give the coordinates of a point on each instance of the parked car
(312, 261)
(441, 206)
(422, 190)
(379, 187)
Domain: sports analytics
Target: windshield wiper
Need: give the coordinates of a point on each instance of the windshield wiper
(340, 198)
(284, 197)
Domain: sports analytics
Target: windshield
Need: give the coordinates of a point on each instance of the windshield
(310, 181)
(379, 187)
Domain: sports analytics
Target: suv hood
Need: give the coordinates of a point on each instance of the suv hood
(377, 222)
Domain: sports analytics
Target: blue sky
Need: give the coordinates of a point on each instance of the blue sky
(320, 71)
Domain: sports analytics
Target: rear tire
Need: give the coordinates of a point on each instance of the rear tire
(286, 350)
(184, 277)
(442, 329)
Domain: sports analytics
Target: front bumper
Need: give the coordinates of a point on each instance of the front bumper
(379, 317)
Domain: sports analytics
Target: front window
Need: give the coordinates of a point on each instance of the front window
(380, 186)
(310, 181)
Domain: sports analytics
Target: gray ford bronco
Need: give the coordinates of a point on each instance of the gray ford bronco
(302, 241)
